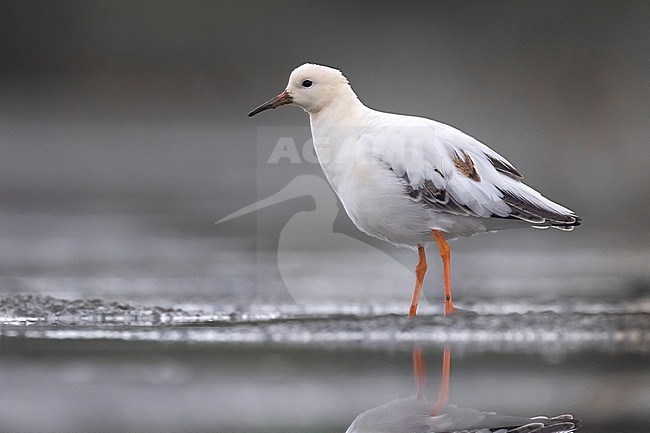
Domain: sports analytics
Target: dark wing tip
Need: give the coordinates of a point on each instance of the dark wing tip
(504, 167)
(574, 221)
(524, 210)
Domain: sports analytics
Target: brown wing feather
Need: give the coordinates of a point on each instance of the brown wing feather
(437, 198)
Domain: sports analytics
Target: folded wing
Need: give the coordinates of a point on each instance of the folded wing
(453, 172)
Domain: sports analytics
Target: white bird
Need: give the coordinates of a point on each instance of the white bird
(409, 180)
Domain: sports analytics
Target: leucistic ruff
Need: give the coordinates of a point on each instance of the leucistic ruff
(410, 180)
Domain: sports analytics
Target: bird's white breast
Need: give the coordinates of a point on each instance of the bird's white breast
(373, 195)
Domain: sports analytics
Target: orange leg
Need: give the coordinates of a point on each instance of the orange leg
(446, 274)
(418, 372)
(420, 271)
(443, 393)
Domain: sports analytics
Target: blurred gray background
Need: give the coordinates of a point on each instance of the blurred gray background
(144, 102)
(124, 136)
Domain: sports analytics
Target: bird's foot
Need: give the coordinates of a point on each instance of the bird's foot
(458, 312)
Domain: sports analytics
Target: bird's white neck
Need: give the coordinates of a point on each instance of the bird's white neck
(344, 110)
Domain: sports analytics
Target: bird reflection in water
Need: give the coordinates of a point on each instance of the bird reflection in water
(416, 414)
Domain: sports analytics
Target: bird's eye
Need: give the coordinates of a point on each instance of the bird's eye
(307, 83)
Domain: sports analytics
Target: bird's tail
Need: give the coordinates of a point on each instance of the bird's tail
(529, 205)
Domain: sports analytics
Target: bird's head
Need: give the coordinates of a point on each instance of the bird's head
(312, 88)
